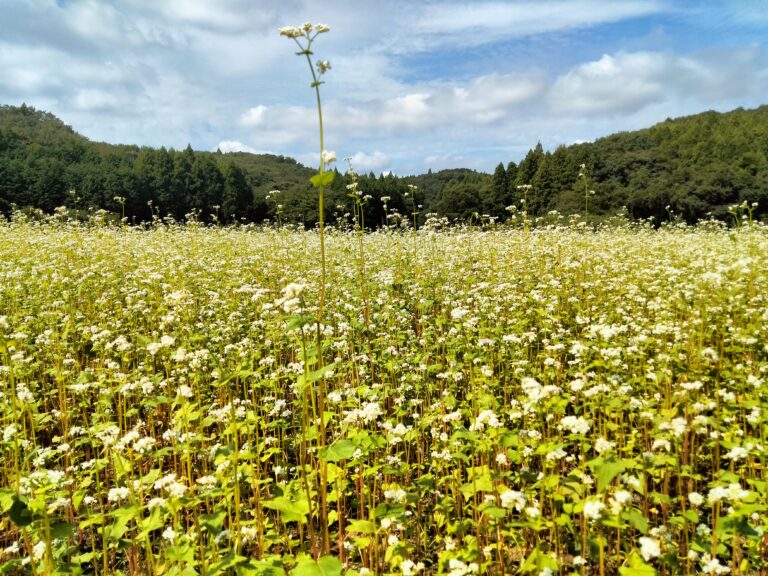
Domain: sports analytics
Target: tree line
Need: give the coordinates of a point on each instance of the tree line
(693, 167)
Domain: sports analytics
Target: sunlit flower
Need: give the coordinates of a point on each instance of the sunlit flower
(593, 509)
(118, 494)
(649, 548)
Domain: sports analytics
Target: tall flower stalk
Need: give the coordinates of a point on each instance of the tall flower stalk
(304, 36)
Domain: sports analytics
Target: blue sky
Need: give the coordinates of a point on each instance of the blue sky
(414, 84)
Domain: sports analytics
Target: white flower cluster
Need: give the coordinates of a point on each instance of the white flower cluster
(731, 492)
(304, 30)
(574, 425)
(291, 299)
(485, 418)
(367, 414)
(513, 499)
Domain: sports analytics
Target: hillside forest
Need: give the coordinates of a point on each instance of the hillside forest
(692, 168)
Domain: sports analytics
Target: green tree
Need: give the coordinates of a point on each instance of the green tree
(237, 198)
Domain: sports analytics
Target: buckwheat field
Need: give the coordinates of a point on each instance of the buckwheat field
(550, 401)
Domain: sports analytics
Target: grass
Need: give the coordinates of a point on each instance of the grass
(551, 401)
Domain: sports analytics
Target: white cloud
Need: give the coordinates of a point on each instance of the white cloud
(376, 162)
(624, 83)
(525, 18)
(409, 88)
(223, 15)
(482, 101)
(478, 23)
(95, 100)
(628, 82)
(234, 146)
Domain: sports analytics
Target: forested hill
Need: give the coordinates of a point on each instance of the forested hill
(691, 166)
(688, 166)
(45, 164)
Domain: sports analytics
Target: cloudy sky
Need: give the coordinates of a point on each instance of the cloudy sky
(415, 84)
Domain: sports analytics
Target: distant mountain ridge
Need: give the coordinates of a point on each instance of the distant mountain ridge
(691, 167)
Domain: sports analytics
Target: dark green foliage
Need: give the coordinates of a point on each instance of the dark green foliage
(45, 164)
(689, 167)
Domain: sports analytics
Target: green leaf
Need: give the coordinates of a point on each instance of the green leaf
(737, 525)
(361, 527)
(325, 566)
(479, 481)
(298, 321)
(11, 566)
(322, 179)
(306, 379)
(152, 522)
(229, 561)
(291, 511)
(389, 510)
(606, 470)
(122, 467)
(339, 450)
(636, 566)
(691, 516)
(63, 530)
(636, 519)
(531, 563)
(261, 568)
(214, 523)
(119, 526)
(20, 513)
(7, 497)
(83, 558)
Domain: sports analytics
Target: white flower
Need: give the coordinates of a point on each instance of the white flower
(167, 341)
(38, 550)
(620, 499)
(169, 534)
(732, 492)
(661, 444)
(328, 156)
(118, 494)
(143, 445)
(291, 31)
(533, 511)
(9, 432)
(603, 445)
(513, 499)
(485, 418)
(397, 495)
(176, 489)
(409, 567)
(649, 548)
(678, 426)
(185, 391)
(291, 305)
(709, 354)
(710, 565)
(695, 499)
(155, 503)
(456, 313)
(691, 386)
(593, 509)
(293, 290)
(736, 453)
(322, 67)
(574, 424)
